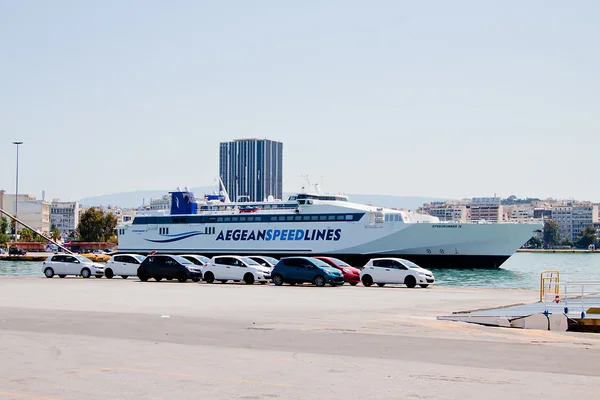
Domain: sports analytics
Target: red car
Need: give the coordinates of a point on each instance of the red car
(351, 274)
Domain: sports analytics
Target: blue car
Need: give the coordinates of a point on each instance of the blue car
(294, 270)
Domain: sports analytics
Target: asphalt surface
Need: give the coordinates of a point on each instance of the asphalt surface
(122, 339)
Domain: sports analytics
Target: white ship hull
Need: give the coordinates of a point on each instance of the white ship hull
(431, 245)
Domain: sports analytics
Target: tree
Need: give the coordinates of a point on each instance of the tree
(3, 229)
(566, 242)
(54, 234)
(27, 235)
(550, 233)
(534, 243)
(586, 237)
(96, 226)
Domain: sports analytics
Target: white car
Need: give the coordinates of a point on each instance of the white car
(71, 264)
(124, 265)
(224, 268)
(395, 270)
(265, 261)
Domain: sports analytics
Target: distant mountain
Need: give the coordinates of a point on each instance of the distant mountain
(137, 198)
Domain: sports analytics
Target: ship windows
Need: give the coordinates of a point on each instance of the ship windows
(290, 217)
(282, 218)
(297, 218)
(227, 219)
(250, 219)
(242, 219)
(314, 217)
(163, 231)
(234, 219)
(349, 217)
(340, 217)
(322, 217)
(219, 219)
(306, 217)
(257, 219)
(273, 218)
(331, 217)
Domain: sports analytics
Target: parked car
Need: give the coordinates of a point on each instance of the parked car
(351, 274)
(236, 268)
(71, 264)
(196, 259)
(124, 265)
(265, 261)
(168, 267)
(395, 270)
(15, 251)
(294, 270)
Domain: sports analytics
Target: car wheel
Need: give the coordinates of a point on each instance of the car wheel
(123, 276)
(109, 273)
(209, 277)
(143, 277)
(424, 286)
(196, 279)
(62, 276)
(49, 272)
(410, 281)
(223, 280)
(319, 281)
(158, 278)
(292, 283)
(85, 273)
(182, 277)
(278, 280)
(169, 279)
(353, 283)
(367, 280)
(249, 279)
(381, 284)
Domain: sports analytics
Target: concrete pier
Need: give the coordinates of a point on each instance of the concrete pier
(91, 339)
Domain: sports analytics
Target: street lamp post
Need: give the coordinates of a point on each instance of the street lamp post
(17, 190)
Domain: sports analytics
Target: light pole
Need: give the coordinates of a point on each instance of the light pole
(17, 191)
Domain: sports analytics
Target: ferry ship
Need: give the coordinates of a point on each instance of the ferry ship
(311, 224)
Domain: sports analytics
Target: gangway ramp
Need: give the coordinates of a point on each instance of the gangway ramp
(573, 306)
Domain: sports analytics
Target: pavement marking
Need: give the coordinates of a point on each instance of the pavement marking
(25, 396)
(149, 371)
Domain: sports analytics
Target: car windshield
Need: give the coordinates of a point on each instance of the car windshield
(83, 259)
(139, 257)
(271, 260)
(181, 260)
(410, 264)
(320, 263)
(204, 259)
(249, 261)
(339, 262)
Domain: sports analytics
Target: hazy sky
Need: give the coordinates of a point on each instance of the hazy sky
(434, 98)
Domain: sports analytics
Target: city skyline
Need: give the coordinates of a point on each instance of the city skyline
(441, 100)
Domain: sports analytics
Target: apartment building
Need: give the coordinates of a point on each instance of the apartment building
(64, 215)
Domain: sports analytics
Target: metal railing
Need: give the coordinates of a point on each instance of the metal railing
(581, 295)
(549, 281)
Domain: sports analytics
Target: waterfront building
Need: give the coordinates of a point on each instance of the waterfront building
(573, 218)
(33, 212)
(488, 209)
(584, 215)
(251, 169)
(64, 215)
(563, 216)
